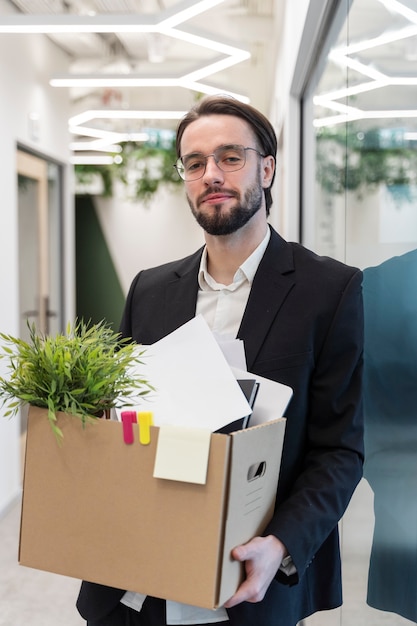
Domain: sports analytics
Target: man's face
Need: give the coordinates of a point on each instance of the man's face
(223, 202)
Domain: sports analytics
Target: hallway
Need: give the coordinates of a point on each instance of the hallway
(30, 597)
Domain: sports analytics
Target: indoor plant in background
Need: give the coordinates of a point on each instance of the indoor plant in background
(141, 168)
(84, 372)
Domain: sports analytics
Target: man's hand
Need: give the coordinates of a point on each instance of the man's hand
(262, 557)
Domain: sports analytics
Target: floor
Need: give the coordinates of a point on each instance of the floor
(30, 597)
(356, 538)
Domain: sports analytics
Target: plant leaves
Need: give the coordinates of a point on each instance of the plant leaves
(84, 371)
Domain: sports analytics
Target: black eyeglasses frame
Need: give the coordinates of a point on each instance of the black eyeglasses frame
(179, 165)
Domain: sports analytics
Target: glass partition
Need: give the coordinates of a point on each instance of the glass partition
(360, 179)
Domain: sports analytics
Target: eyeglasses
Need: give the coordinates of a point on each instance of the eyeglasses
(230, 158)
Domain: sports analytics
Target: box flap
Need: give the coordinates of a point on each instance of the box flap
(254, 470)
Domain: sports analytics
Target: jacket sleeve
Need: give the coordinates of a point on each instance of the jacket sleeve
(332, 461)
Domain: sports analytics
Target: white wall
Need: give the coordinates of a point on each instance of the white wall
(26, 62)
(139, 237)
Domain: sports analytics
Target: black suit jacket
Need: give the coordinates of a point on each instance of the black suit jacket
(303, 326)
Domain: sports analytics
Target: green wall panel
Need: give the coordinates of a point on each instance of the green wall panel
(98, 291)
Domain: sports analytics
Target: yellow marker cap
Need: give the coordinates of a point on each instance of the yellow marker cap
(145, 421)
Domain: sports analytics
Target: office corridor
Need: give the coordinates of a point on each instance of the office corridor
(30, 597)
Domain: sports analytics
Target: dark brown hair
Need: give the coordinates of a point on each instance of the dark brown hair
(226, 105)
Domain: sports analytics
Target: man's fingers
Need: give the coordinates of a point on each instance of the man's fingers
(241, 553)
(247, 592)
(262, 557)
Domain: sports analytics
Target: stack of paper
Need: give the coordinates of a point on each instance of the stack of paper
(196, 387)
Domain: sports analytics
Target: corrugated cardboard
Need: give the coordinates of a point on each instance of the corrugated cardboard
(92, 509)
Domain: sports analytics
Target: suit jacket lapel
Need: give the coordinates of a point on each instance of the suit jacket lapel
(273, 281)
(181, 293)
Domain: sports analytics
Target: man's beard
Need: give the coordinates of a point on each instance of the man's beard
(220, 222)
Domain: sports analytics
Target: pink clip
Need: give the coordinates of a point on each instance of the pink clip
(128, 419)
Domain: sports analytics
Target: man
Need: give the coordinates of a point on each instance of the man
(300, 317)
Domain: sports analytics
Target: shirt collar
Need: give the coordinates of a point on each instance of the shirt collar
(246, 271)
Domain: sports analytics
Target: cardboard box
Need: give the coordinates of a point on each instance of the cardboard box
(93, 510)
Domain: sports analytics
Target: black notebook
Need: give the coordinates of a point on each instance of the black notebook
(250, 388)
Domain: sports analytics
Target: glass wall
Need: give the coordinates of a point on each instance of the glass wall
(360, 206)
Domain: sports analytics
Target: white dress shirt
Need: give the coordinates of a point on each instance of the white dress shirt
(222, 306)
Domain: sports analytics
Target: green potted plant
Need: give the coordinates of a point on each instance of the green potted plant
(142, 168)
(85, 372)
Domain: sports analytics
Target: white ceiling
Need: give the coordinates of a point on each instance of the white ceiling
(373, 77)
(226, 33)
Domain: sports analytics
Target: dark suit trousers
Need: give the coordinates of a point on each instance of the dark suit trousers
(152, 614)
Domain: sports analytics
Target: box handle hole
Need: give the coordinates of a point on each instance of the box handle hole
(257, 470)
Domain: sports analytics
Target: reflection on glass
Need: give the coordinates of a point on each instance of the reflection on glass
(365, 120)
(361, 112)
(390, 400)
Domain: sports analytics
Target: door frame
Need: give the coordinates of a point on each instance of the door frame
(37, 169)
(35, 166)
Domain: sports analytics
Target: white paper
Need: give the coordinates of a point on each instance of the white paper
(195, 387)
(271, 400)
(233, 350)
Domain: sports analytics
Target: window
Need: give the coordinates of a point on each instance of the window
(360, 206)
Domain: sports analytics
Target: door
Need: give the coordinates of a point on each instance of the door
(40, 285)
(40, 262)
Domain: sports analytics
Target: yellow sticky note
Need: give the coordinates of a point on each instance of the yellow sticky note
(182, 454)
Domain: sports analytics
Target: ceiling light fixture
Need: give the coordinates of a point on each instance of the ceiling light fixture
(341, 56)
(386, 38)
(76, 122)
(389, 81)
(105, 114)
(334, 105)
(93, 160)
(212, 90)
(186, 82)
(233, 57)
(93, 146)
(363, 115)
(68, 23)
(104, 144)
(110, 80)
(97, 133)
(215, 67)
(163, 23)
(104, 23)
(181, 16)
(401, 9)
(197, 39)
(353, 64)
(346, 92)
